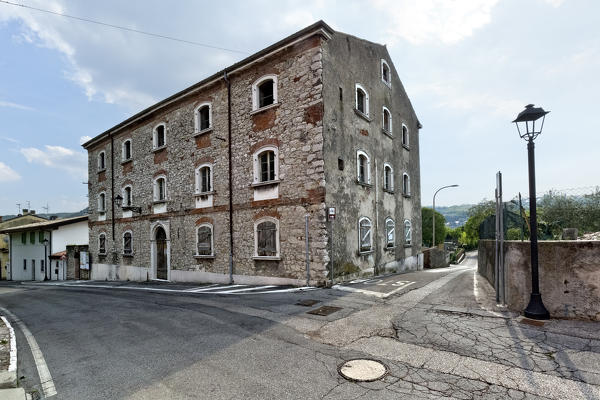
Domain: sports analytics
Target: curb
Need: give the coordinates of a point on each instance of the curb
(8, 379)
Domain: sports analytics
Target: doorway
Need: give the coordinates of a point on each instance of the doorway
(161, 254)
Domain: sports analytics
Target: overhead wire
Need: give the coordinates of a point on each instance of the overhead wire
(123, 28)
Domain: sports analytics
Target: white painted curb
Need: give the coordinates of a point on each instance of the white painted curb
(9, 379)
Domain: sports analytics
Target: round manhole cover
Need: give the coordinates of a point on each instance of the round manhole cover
(363, 370)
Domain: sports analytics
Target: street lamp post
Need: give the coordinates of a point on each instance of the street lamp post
(45, 243)
(433, 216)
(527, 118)
(119, 202)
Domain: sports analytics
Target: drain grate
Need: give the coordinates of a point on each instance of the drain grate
(307, 302)
(324, 311)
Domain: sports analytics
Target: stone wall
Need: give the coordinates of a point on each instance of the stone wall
(294, 125)
(569, 275)
(349, 61)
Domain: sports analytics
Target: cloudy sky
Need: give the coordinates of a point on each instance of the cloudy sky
(469, 68)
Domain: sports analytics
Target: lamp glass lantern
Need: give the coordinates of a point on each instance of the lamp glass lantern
(526, 122)
(119, 200)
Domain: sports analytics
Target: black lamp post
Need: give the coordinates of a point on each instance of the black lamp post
(528, 131)
(46, 267)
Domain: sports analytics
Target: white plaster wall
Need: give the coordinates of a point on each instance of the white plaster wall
(29, 252)
(76, 234)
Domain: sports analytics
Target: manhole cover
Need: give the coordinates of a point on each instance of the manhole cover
(325, 310)
(363, 370)
(307, 302)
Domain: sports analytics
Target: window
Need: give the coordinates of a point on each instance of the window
(25, 264)
(385, 73)
(42, 265)
(102, 244)
(407, 232)
(41, 236)
(126, 150)
(388, 178)
(365, 239)
(102, 161)
(390, 233)
(32, 237)
(387, 121)
(266, 232)
(127, 196)
(24, 238)
(203, 117)
(160, 189)
(204, 240)
(266, 165)
(128, 243)
(405, 136)
(362, 100)
(204, 178)
(102, 202)
(405, 184)
(159, 136)
(363, 168)
(264, 92)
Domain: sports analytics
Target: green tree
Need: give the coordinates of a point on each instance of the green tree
(477, 213)
(427, 224)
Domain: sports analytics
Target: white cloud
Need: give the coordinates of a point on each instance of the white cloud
(84, 139)
(73, 162)
(7, 174)
(433, 21)
(15, 105)
(555, 3)
(9, 139)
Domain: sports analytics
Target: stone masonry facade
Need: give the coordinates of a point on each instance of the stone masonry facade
(292, 126)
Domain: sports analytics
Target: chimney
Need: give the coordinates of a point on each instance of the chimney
(32, 212)
(0, 218)
(25, 211)
(53, 217)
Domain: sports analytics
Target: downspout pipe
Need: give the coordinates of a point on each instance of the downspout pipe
(226, 78)
(112, 187)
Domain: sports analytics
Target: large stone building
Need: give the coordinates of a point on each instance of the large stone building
(222, 180)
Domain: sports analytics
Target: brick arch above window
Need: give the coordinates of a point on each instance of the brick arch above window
(204, 220)
(204, 160)
(263, 143)
(159, 173)
(127, 182)
(267, 213)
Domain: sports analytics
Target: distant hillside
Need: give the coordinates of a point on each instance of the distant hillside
(455, 215)
(58, 215)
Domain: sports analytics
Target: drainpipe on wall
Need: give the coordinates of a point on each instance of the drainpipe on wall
(112, 188)
(375, 236)
(226, 78)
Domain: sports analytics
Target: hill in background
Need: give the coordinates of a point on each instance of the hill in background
(57, 215)
(455, 215)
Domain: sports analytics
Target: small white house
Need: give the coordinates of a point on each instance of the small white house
(32, 245)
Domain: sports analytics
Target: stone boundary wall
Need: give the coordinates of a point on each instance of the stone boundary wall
(569, 275)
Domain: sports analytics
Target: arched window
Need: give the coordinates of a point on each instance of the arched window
(127, 196)
(159, 136)
(102, 243)
(363, 168)
(390, 233)
(266, 237)
(204, 240)
(365, 237)
(126, 150)
(266, 164)
(405, 136)
(101, 161)
(385, 73)
(388, 177)
(387, 121)
(128, 243)
(405, 184)
(204, 179)
(203, 117)
(102, 202)
(160, 188)
(264, 92)
(407, 232)
(362, 100)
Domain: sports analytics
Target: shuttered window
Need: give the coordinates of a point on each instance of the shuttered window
(407, 232)
(390, 233)
(267, 239)
(102, 244)
(204, 245)
(365, 228)
(267, 166)
(127, 243)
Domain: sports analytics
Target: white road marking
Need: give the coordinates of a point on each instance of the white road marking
(44, 373)
(381, 295)
(298, 289)
(201, 287)
(12, 364)
(246, 289)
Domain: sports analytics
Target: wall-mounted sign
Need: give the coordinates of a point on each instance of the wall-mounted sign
(331, 213)
(83, 261)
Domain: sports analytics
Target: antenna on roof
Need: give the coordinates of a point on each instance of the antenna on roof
(28, 205)
(19, 207)
(46, 208)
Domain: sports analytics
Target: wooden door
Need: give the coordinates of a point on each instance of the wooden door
(161, 254)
